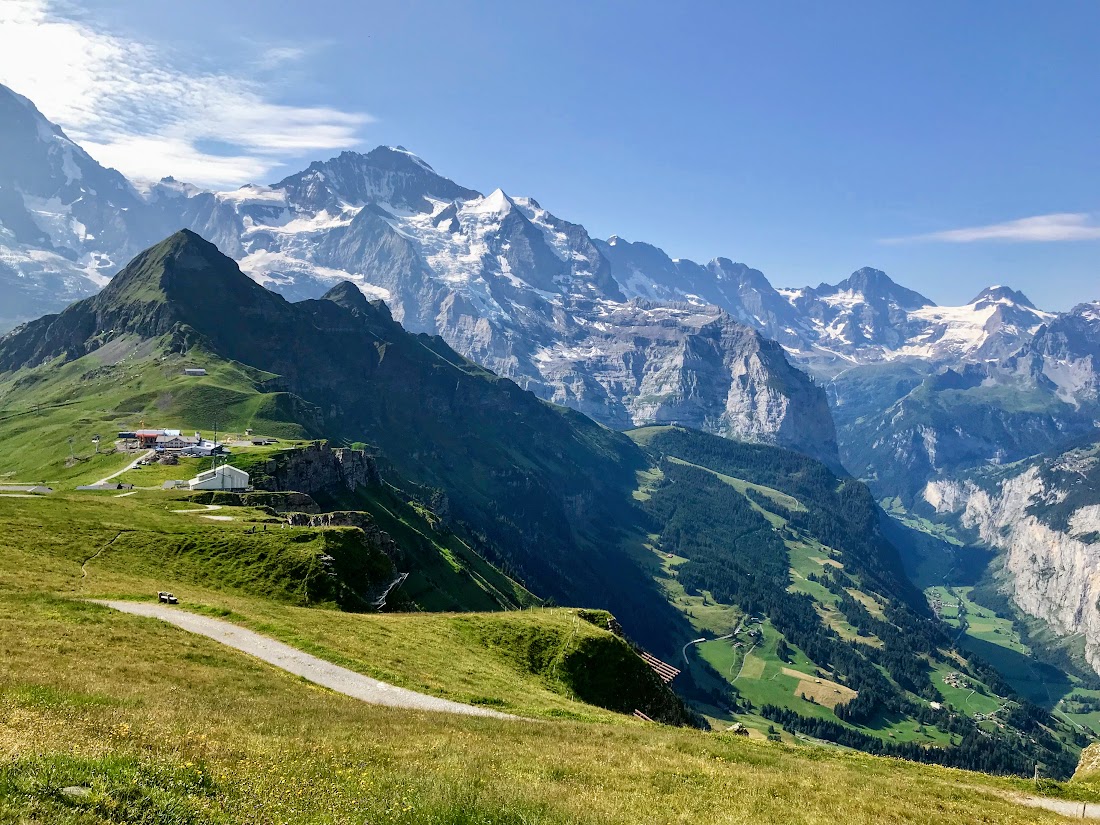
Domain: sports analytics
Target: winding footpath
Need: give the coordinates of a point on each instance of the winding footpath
(131, 466)
(301, 664)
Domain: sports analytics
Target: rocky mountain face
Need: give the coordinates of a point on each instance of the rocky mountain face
(1065, 355)
(66, 223)
(503, 281)
(518, 290)
(1044, 515)
(899, 430)
(901, 426)
(317, 469)
(864, 319)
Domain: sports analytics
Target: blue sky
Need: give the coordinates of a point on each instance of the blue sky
(954, 145)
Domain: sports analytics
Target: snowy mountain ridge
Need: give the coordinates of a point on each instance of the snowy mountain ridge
(504, 281)
(617, 329)
(866, 318)
(294, 236)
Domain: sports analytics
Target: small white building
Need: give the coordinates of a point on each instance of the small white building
(194, 372)
(224, 477)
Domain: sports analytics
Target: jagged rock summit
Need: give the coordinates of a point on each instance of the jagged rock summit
(499, 278)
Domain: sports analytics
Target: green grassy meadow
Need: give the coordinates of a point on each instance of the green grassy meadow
(155, 725)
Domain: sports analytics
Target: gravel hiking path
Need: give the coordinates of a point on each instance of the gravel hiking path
(202, 508)
(1074, 810)
(131, 466)
(301, 664)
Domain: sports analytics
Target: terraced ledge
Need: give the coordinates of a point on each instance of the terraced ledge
(301, 664)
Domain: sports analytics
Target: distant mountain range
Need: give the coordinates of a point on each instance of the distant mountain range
(618, 330)
(486, 271)
(928, 404)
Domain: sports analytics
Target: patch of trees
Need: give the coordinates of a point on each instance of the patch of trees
(840, 513)
(977, 750)
(742, 560)
(733, 552)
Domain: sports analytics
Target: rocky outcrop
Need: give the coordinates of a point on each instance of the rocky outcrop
(372, 537)
(317, 469)
(273, 502)
(649, 363)
(1088, 766)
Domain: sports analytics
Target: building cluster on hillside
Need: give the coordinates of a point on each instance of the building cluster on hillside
(173, 441)
(957, 680)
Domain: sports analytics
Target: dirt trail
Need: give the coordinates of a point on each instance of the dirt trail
(301, 664)
(1074, 810)
(96, 555)
(132, 465)
(202, 508)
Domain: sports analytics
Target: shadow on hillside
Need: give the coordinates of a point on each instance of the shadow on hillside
(1040, 683)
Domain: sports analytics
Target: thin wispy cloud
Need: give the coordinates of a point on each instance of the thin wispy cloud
(1060, 226)
(133, 107)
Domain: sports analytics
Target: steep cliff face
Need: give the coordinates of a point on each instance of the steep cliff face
(1088, 767)
(1047, 535)
(649, 363)
(316, 469)
(373, 539)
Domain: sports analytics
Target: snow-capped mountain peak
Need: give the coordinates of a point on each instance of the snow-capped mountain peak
(66, 222)
(391, 176)
(410, 155)
(875, 286)
(1002, 295)
(495, 203)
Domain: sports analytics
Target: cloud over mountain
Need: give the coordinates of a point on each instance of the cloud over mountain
(141, 110)
(1059, 226)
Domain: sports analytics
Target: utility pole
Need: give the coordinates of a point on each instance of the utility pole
(72, 455)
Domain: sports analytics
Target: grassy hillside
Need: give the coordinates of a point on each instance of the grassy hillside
(150, 724)
(546, 503)
(786, 494)
(533, 662)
